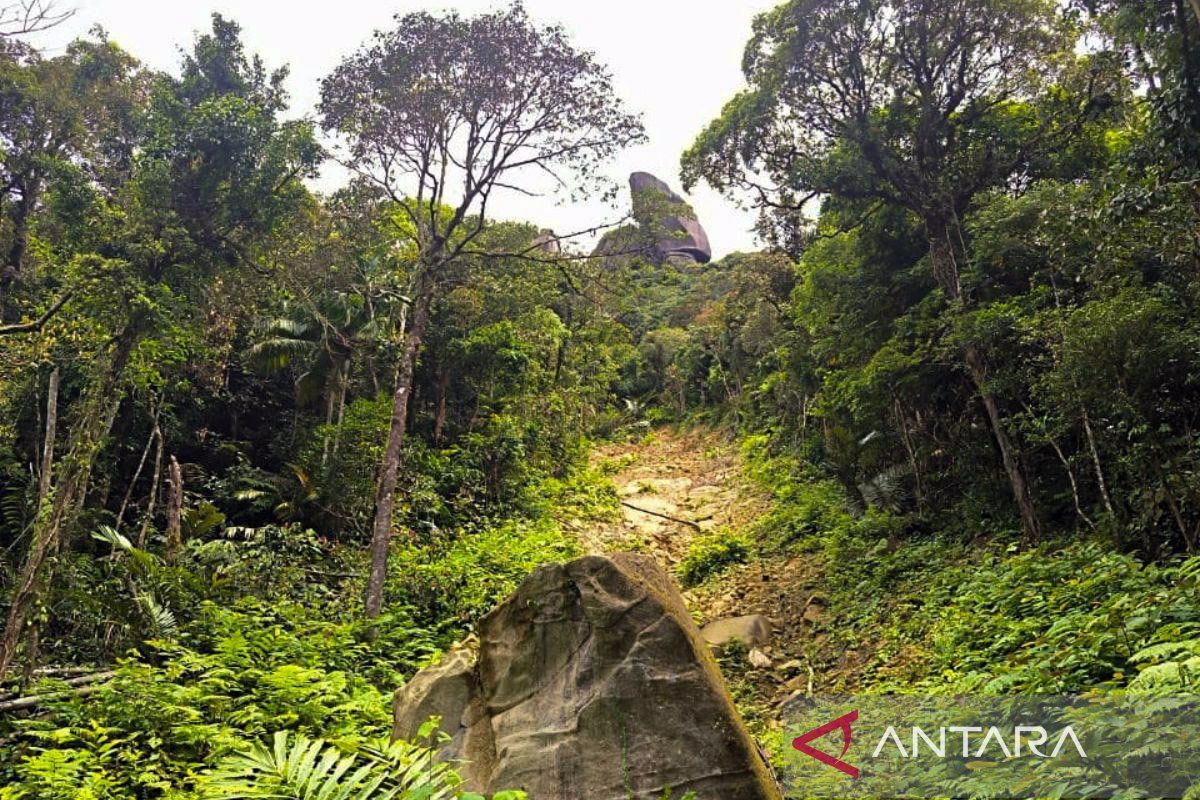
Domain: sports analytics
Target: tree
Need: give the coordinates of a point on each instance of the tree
(922, 105)
(441, 113)
(64, 116)
(318, 336)
(204, 177)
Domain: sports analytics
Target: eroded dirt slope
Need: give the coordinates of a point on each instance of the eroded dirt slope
(677, 485)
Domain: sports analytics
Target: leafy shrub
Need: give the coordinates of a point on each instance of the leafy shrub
(805, 510)
(711, 554)
(236, 674)
(1050, 619)
(463, 578)
(461, 575)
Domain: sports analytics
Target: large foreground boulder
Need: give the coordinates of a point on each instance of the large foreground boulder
(592, 682)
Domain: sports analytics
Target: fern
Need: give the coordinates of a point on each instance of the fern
(300, 768)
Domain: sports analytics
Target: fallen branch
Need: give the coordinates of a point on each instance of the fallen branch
(663, 516)
(80, 687)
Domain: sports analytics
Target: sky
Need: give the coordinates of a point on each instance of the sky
(675, 61)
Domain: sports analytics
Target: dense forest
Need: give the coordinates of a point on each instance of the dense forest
(266, 451)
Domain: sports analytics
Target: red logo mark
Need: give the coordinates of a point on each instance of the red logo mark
(842, 723)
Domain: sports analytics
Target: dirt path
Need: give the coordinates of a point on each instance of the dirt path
(695, 476)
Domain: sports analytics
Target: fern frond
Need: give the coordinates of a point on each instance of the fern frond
(312, 769)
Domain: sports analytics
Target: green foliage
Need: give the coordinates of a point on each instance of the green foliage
(303, 768)
(464, 577)
(712, 554)
(235, 675)
(460, 574)
(1048, 620)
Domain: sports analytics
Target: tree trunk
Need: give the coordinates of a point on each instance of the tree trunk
(152, 500)
(439, 420)
(911, 450)
(943, 235)
(175, 511)
(137, 473)
(1066, 462)
(46, 467)
(330, 402)
(343, 384)
(15, 259)
(47, 464)
(59, 510)
(1091, 440)
(943, 260)
(381, 532)
(1008, 452)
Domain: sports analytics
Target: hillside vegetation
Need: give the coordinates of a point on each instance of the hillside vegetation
(265, 452)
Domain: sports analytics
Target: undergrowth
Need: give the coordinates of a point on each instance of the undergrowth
(942, 614)
(261, 643)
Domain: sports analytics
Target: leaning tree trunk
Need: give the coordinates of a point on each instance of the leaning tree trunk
(174, 511)
(381, 532)
(58, 511)
(46, 469)
(47, 465)
(942, 255)
(152, 500)
(439, 419)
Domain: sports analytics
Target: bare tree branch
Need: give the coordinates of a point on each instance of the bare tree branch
(37, 324)
(30, 16)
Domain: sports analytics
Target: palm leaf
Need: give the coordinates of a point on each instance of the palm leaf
(300, 768)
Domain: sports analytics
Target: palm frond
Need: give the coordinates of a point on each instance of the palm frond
(279, 352)
(300, 768)
(160, 619)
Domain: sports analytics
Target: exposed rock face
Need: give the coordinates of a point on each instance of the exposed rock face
(668, 218)
(443, 690)
(547, 242)
(592, 682)
(752, 630)
(665, 227)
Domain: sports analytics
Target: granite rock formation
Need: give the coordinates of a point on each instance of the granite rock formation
(591, 681)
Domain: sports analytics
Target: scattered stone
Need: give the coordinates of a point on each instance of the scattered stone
(815, 610)
(752, 630)
(758, 659)
(591, 681)
(814, 614)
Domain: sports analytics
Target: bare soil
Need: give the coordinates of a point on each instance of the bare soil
(695, 476)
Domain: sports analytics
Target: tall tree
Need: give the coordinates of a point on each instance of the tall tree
(70, 114)
(204, 176)
(922, 104)
(441, 113)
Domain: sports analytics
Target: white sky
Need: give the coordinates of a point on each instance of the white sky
(676, 61)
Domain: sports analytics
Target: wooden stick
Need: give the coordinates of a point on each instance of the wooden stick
(80, 687)
(663, 516)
